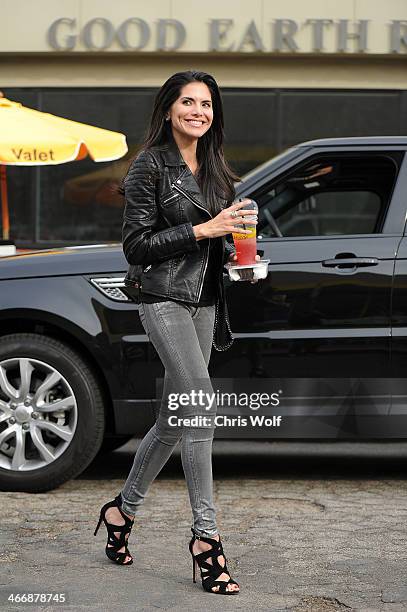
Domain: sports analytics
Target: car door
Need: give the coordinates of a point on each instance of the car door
(317, 329)
(396, 425)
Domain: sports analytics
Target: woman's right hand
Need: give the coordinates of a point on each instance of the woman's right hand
(224, 223)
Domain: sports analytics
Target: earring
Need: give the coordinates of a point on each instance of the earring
(167, 118)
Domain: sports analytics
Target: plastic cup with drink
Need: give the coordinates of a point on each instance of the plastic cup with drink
(245, 244)
(246, 267)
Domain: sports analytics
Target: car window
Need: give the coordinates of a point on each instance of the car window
(330, 195)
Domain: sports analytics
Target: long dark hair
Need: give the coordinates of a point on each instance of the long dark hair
(215, 178)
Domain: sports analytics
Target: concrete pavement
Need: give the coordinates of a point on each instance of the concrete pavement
(301, 531)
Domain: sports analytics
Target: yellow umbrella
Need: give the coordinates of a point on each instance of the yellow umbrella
(31, 138)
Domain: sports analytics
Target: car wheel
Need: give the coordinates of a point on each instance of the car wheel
(52, 416)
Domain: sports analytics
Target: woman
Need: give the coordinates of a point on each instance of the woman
(178, 193)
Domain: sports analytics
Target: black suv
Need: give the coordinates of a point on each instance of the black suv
(328, 324)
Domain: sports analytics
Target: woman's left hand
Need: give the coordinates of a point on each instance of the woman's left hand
(233, 258)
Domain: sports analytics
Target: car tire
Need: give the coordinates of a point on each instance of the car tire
(53, 445)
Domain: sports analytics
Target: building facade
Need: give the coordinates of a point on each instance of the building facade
(289, 71)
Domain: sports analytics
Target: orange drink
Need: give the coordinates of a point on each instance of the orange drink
(245, 244)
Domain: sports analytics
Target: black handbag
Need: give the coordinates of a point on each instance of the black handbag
(222, 334)
(132, 288)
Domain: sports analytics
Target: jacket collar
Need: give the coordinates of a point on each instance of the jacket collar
(171, 154)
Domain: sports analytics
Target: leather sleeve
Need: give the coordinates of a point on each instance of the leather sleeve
(142, 242)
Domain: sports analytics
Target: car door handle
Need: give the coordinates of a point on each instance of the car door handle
(350, 262)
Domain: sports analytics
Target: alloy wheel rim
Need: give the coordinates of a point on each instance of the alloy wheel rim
(38, 414)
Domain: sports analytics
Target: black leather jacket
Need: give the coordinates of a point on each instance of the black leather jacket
(162, 203)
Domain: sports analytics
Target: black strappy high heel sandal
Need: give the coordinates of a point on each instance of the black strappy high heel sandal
(117, 543)
(210, 572)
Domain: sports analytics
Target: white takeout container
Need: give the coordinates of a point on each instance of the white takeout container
(255, 271)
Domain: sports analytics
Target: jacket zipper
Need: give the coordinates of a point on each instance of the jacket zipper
(172, 197)
(191, 199)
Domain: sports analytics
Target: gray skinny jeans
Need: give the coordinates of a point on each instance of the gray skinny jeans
(182, 336)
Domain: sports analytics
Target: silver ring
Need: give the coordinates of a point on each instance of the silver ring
(233, 213)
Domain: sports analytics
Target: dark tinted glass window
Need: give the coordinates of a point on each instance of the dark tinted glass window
(76, 202)
(83, 192)
(250, 134)
(329, 114)
(329, 196)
